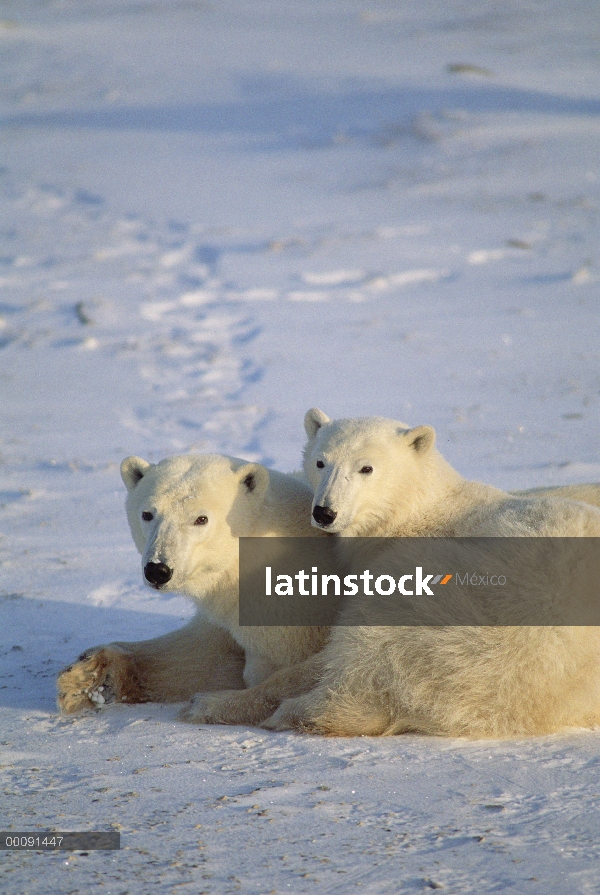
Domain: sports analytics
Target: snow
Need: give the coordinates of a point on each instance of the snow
(212, 217)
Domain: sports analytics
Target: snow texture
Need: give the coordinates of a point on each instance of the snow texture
(214, 216)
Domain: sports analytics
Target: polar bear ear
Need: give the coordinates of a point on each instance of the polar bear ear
(253, 478)
(132, 471)
(421, 439)
(313, 421)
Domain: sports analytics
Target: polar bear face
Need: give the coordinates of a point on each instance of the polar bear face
(363, 470)
(186, 514)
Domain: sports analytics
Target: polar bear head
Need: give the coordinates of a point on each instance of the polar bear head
(186, 514)
(365, 471)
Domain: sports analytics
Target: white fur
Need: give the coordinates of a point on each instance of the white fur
(473, 681)
(413, 491)
(237, 499)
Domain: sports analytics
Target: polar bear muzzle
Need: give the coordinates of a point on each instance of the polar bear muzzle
(157, 574)
(324, 515)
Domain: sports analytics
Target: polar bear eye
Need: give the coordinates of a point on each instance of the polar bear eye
(366, 470)
(320, 464)
(146, 516)
(201, 520)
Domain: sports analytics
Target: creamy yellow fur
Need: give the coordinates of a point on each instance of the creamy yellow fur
(461, 681)
(204, 657)
(212, 652)
(589, 493)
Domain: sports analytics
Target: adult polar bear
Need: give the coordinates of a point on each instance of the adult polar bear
(186, 515)
(376, 477)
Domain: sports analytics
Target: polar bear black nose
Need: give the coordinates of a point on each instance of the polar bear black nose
(324, 515)
(157, 573)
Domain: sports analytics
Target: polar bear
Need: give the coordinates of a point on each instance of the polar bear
(186, 515)
(375, 477)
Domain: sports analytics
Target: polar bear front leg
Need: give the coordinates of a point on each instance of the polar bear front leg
(294, 714)
(227, 707)
(257, 668)
(330, 713)
(198, 657)
(257, 703)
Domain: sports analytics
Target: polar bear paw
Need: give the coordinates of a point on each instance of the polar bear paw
(203, 708)
(100, 676)
(226, 707)
(294, 714)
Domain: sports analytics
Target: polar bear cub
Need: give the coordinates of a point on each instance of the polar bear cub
(186, 516)
(375, 477)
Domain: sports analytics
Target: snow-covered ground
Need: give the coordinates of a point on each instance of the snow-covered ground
(214, 215)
